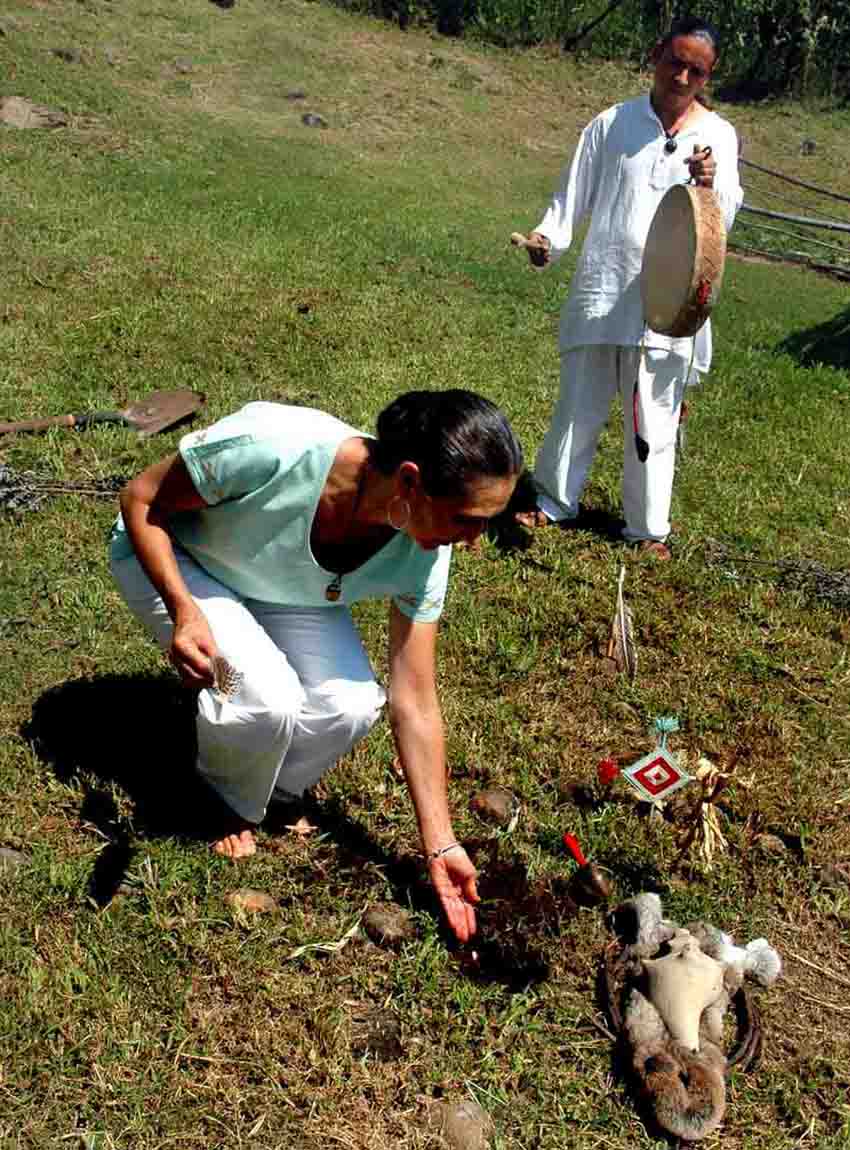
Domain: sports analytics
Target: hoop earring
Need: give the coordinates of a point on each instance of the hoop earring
(398, 526)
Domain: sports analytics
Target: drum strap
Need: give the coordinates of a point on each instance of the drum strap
(641, 445)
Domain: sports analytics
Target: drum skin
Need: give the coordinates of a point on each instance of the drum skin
(682, 267)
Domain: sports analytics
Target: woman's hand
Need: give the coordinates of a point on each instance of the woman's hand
(453, 877)
(193, 648)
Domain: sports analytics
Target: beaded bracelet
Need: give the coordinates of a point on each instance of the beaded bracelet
(431, 855)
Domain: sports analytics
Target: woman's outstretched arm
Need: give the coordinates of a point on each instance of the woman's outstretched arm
(418, 729)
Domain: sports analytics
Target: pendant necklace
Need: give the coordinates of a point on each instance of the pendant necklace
(334, 588)
(671, 143)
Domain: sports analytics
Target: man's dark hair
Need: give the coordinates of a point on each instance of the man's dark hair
(453, 437)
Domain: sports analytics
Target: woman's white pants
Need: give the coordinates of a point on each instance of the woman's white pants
(590, 378)
(307, 693)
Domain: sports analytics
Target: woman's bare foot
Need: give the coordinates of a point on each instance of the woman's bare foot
(239, 845)
(532, 519)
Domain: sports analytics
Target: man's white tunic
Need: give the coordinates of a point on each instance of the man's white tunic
(618, 175)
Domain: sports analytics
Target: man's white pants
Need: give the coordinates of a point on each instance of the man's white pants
(590, 377)
(308, 692)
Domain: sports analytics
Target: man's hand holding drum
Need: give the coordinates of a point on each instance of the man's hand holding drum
(702, 167)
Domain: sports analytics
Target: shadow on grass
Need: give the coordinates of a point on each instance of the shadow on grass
(136, 732)
(827, 343)
(510, 536)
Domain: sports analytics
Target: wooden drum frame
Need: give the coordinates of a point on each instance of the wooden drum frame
(683, 260)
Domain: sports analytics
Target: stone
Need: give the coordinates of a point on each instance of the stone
(69, 55)
(836, 876)
(11, 861)
(465, 1125)
(18, 112)
(183, 66)
(296, 94)
(388, 925)
(495, 805)
(771, 845)
(377, 1032)
(311, 120)
(252, 900)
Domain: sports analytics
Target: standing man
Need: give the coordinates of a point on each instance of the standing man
(626, 160)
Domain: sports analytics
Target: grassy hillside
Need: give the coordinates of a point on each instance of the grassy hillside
(187, 228)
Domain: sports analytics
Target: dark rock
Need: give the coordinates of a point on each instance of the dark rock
(496, 805)
(183, 66)
(223, 3)
(313, 121)
(11, 861)
(589, 886)
(296, 94)
(579, 793)
(377, 1032)
(69, 55)
(388, 925)
(808, 147)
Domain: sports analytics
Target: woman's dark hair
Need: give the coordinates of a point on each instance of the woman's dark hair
(694, 26)
(452, 436)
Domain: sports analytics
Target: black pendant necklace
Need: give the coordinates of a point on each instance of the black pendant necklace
(671, 143)
(334, 588)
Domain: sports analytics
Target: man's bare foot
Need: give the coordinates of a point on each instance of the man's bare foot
(239, 845)
(655, 548)
(533, 519)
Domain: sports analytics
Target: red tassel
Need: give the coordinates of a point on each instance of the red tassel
(571, 843)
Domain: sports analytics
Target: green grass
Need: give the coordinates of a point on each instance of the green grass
(186, 229)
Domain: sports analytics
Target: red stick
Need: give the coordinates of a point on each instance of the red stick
(571, 843)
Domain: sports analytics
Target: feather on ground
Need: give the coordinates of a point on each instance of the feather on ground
(621, 644)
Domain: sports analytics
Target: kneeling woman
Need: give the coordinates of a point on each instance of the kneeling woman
(241, 554)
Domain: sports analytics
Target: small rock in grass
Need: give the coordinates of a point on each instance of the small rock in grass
(69, 55)
(771, 845)
(296, 94)
(571, 791)
(836, 876)
(378, 1033)
(254, 900)
(496, 805)
(183, 66)
(388, 925)
(314, 121)
(465, 1125)
(11, 861)
(20, 113)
